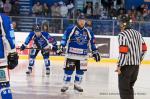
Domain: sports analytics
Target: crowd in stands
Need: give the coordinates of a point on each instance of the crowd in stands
(59, 9)
(9, 7)
(107, 10)
(114, 10)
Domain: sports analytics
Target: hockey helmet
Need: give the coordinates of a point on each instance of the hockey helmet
(37, 28)
(125, 22)
(81, 20)
(82, 17)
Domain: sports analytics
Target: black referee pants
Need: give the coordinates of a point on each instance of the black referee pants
(126, 81)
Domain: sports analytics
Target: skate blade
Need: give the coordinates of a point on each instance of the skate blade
(28, 74)
(78, 92)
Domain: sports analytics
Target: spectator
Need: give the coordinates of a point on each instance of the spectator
(7, 7)
(145, 14)
(132, 14)
(88, 10)
(104, 3)
(89, 24)
(113, 13)
(63, 10)
(55, 10)
(104, 14)
(110, 2)
(1, 6)
(37, 9)
(147, 17)
(45, 27)
(97, 10)
(129, 12)
(15, 8)
(45, 9)
(70, 7)
(77, 13)
(139, 16)
(14, 24)
(140, 8)
(121, 11)
(70, 1)
(119, 3)
(115, 4)
(34, 10)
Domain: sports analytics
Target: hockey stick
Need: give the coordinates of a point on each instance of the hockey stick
(34, 48)
(31, 48)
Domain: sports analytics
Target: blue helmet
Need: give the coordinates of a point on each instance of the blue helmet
(37, 28)
(81, 17)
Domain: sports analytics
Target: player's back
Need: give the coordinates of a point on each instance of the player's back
(134, 40)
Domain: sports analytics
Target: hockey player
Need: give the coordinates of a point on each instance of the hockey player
(77, 39)
(41, 41)
(8, 55)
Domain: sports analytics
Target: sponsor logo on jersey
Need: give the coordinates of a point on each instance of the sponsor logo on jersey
(76, 50)
(76, 32)
(84, 33)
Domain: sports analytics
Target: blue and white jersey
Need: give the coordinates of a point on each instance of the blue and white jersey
(45, 40)
(77, 42)
(7, 39)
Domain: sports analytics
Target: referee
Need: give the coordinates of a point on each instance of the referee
(131, 52)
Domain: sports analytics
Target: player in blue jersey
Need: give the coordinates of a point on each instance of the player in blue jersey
(8, 55)
(78, 40)
(41, 41)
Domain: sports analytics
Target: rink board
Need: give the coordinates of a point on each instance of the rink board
(107, 45)
(62, 58)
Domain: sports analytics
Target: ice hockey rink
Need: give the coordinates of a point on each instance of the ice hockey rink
(100, 82)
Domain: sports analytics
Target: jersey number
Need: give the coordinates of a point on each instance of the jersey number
(2, 75)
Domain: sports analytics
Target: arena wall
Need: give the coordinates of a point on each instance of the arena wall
(110, 56)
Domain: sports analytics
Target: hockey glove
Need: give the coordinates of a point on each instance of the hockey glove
(48, 47)
(54, 48)
(96, 55)
(12, 60)
(22, 47)
(60, 50)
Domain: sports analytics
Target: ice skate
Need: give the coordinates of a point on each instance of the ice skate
(64, 88)
(29, 71)
(78, 88)
(47, 71)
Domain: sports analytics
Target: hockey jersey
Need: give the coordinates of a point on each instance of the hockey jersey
(40, 42)
(7, 39)
(77, 42)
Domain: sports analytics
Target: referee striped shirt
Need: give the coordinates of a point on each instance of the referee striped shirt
(131, 47)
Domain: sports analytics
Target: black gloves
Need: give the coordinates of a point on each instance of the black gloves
(96, 55)
(22, 47)
(12, 60)
(60, 50)
(54, 48)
